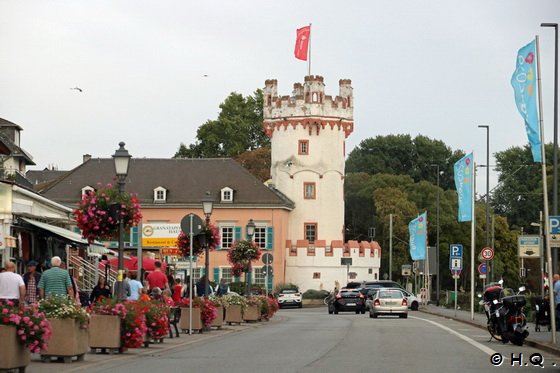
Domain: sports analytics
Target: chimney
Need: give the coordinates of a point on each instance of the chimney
(86, 157)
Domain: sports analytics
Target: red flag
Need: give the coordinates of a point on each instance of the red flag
(302, 42)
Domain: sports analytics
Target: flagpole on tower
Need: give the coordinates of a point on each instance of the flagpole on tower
(309, 59)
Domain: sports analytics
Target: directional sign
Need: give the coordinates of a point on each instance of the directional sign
(406, 269)
(482, 269)
(487, 253)
(529, 246)
(456, 250)
(455, 264)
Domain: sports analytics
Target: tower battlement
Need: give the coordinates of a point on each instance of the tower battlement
(308, 102)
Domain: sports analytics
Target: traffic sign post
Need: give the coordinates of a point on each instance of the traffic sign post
(191, 224)
(267, 259)
(455, 265)
(554, 230)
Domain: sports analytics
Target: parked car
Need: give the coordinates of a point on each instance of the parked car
(290, 297)
(348, 300)
(389, 301)
(412, 300)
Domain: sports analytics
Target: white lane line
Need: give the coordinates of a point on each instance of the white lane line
(471, 341)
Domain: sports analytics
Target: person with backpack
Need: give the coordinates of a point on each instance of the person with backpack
(222, 288)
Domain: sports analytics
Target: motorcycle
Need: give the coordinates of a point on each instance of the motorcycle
(504, 311)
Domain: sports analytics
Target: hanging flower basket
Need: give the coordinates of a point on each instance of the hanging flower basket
(99, 211)
(211, 237)
(241, 254)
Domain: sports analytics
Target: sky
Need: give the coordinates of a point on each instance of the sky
(152, 72)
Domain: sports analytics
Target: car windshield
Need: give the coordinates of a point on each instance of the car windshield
(390, 294)
(289, 291)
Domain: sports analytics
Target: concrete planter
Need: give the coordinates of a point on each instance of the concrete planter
(233, 314)
(252, 313)
(219, 320)
(13, 354)
(196, 319)
(105, 331)
(68, 339)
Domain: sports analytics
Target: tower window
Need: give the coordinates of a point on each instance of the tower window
(309, 190)
(303, 147)
(311, 232)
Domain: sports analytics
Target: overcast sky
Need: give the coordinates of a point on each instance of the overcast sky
(436, 68)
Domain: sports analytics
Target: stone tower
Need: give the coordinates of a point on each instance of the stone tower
(308, 131)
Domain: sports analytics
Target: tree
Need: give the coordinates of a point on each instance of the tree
(237, 129)
(257, 162)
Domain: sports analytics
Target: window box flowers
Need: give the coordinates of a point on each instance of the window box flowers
(99, 211)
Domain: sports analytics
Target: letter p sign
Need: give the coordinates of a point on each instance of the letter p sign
(554, 224)
(456, 250)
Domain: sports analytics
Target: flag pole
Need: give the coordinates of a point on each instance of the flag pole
(473, 232)
(309, 53)
(545, 198)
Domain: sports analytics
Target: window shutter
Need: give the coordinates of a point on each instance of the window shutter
(219, 245)
(269, 283)
(217, 274)
(237, 231)
(269, 238)
(134, 236)
(236, 279)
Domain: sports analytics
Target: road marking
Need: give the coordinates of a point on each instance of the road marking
(471, 341)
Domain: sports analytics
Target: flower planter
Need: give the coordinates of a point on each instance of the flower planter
(68, 339)
(105, 331)
(233, 314)
(13, 354)
(219, 320)
(252, 313)
(196, 319)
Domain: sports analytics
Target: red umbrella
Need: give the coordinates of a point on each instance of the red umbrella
(148, 264)
(131, 263)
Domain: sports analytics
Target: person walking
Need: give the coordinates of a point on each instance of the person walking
(178, 290)
(135, 287)
(156, 278)
(55, 281)
(31, 280)
(222, 288)
(556, 290)
(12, 287)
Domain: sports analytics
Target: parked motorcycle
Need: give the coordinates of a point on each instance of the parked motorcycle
(504, 310)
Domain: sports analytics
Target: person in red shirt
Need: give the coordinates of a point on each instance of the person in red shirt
(157, 279)
(178, 290)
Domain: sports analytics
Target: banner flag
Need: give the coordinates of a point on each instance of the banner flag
(418, 229)
(524, 81)
(302, 42)
(464, 172)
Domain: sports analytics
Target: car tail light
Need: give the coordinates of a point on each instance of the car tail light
(297, 294)
(376, 302)
(404, 302)
(280, 295)
(338, 296)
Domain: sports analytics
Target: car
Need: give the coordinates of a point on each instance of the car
(412, 300)
(389, 301)
(382, 284)
(347, 300)
(370, 295)
(289, 297)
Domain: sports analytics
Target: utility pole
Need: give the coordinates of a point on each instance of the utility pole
(390, 247)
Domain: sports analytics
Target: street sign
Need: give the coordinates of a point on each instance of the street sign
(487, 253)
(554, 230)
(196, 224)
(406, 269)
(456, 264)
(267, 270)
(529, 246)
(267, 258)
(456, 250)
(455, 273)
(482, 269)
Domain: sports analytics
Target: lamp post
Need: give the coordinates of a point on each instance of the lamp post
(487, 194)
(437, 234)
(555, 149)
(122, 161)
(250, 231)
(207, 206)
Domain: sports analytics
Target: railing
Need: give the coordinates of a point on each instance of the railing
(88, 272)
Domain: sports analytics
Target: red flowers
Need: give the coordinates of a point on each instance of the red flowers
(241, 254)
(33, 329)
(212, 239)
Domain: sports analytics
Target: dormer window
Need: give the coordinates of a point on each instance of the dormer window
(227, 194)
(160, 194)
(86, 190)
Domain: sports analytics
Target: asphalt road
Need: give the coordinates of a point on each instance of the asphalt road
(310, 340)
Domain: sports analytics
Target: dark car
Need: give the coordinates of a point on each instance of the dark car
(348, 300)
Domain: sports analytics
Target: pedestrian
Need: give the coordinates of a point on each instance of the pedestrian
(222, 288)
(31, 280)
(556, 289)
(178, 290)
(75, 290)
(156, 278)
(144, 296)
(12, 287)
(156, 294)
(55, 281)
(125, 288)
(201, 286)
(100, 291)
(167, 298)
(135, 287)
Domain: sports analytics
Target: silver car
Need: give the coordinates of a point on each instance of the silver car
(390, 302)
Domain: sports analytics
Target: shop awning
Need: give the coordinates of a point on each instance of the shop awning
(64, 233)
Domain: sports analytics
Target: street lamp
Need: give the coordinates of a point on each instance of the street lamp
(122, 161)
(250, 232)
(207, 206)
(555, 149)
(437, 234)
(487, 193)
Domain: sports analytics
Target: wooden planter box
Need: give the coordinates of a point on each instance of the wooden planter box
(252, 313)
(105, 331)
(68, 339)
(219, 320)
(13, 354)
(196, 319)
(233, 314)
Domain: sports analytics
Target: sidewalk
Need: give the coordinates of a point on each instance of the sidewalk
(541, 340)
(96, 359)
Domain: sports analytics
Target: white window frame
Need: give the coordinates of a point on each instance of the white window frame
(225, 272)
(160, 189)
(226, 194)
(86, 189)
(260, 236)
(258, 278)
(223, 236)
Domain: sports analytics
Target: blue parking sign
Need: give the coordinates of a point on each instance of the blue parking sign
(456, 250)
(554, 224)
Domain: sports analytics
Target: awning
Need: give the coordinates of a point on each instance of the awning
(64, 233)
(100, 250)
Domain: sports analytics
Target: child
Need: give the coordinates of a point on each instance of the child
(167, 299)
(144, 295)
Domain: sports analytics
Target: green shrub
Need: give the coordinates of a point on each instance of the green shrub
(238, 287)
(315, 294)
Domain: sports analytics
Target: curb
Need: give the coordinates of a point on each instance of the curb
(548, 347)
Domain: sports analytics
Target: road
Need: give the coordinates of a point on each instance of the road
(310, 340)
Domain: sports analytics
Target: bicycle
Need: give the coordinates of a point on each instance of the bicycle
(328, 298)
